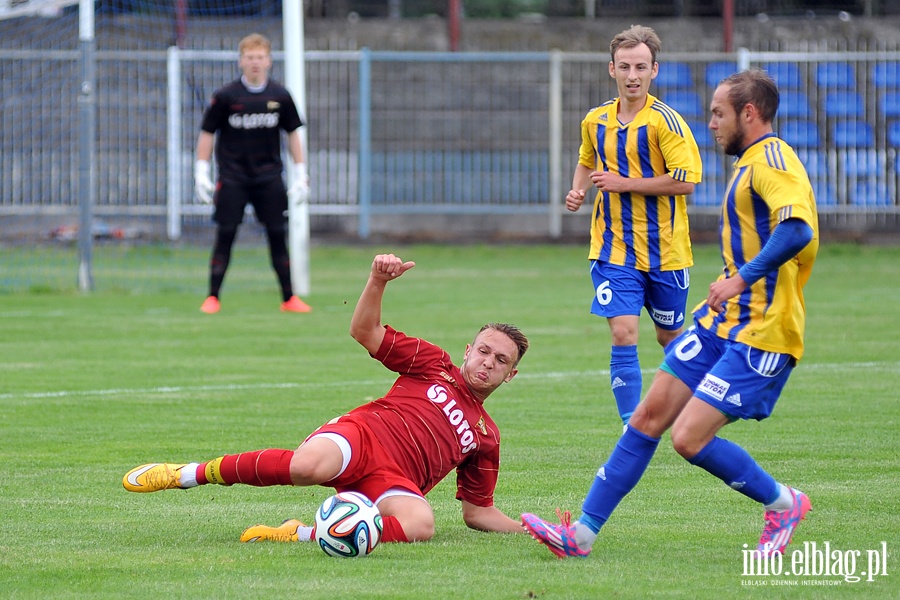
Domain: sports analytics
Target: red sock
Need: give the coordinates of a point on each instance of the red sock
(392, 531)
(259, 468)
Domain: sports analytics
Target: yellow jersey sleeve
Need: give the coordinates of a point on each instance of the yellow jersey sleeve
(769, 185)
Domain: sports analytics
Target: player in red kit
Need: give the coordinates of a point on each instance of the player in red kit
(395, 449)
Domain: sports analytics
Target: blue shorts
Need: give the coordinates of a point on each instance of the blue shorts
(737, 380)
(625, 291)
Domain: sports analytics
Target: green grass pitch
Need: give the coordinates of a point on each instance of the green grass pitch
(96, 384)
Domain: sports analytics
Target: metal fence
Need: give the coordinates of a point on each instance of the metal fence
(406, 133)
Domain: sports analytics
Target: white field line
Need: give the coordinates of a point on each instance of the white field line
(178, 389)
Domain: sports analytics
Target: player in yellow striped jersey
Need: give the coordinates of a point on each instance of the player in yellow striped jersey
(642, 157)
(770, 191)
(746, 339)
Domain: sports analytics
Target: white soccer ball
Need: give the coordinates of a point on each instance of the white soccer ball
(348, 525)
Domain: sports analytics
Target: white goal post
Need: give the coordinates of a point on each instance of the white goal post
(295, 81)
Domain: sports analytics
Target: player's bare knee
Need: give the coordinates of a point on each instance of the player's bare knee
(647, 421)
(623, 337)
(303, 470)
(684, 443)
(665, 337)
(623, 331)
(641, 420)
(420, 530)
(413, 513)
(310, 469)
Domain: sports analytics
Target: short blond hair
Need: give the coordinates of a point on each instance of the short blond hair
(255, 41)
(635, 36)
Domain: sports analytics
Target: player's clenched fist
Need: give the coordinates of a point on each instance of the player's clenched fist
(388, 266)
(574, 200)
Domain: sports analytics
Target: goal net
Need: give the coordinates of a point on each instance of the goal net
(134, 168)
(10, 9)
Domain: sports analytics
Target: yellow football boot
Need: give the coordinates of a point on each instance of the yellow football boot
(286, 532)
(153, 477)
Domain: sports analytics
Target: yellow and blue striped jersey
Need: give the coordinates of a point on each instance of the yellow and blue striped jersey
(647, 233)
(769, 185)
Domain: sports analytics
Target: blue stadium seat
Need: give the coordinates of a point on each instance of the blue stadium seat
(852, 133)
(713, 162)
(886, 75)
(708, 193)
(815, 161)
(717, 71)
(825, 193)
(889, 104)
(702, 133)
(870, 193)
(893, 134)
(861, 163)
(836, 75)
(794, 104)
(786, 74)
(675, 75)
(844, 104)
(818, 168)
(799, 133)
(687, 103)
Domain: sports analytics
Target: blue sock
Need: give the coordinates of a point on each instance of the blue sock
(625, 378)
(733, 465)
(622, 471)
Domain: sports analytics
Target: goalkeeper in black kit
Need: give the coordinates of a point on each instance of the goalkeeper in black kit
(248, 115)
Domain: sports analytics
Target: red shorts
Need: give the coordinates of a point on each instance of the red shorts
(370, 471)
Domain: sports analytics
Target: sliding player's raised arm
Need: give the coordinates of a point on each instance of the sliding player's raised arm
(365, 325)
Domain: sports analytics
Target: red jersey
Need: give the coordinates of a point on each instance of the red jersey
(430, 423)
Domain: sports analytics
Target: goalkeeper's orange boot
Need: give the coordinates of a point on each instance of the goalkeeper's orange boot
(286, 532)
(210, 306)
(153, 477)
(295, 304)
